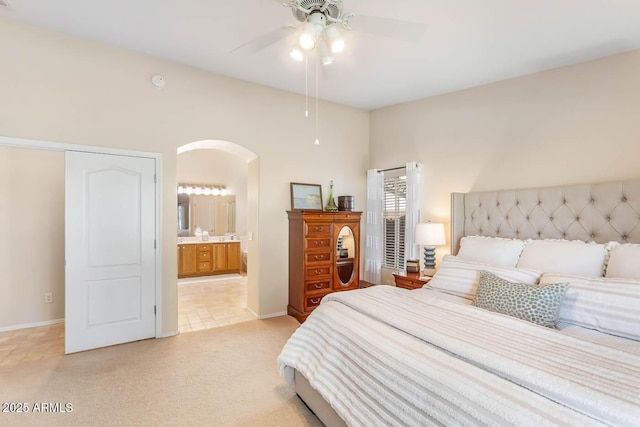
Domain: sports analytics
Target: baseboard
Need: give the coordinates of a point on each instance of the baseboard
(56, 321)
(269, 316)
(31, 325)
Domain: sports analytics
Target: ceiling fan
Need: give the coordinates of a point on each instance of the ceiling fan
(317, 28)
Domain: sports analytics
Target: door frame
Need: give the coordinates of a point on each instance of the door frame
(7, 141)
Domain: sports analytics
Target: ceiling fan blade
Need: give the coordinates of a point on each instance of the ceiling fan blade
(388, 27)
(263, 41)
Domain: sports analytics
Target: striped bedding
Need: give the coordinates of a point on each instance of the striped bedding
(608, 305)
(382, 356)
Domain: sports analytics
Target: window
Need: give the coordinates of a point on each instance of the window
(394, 205)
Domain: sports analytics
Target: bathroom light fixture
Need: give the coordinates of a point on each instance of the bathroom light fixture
(203, 189)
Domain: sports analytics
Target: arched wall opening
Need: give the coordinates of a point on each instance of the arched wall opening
(247, 204)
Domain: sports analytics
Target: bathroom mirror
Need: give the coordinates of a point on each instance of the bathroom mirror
(183, 215)
(345, 252)
(214, 214)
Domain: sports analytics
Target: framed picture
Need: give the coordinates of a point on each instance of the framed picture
(306, 197)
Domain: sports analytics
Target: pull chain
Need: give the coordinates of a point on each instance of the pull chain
(317, 72)
(306, 86)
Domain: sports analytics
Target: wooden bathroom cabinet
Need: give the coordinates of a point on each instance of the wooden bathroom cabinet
(206, 259)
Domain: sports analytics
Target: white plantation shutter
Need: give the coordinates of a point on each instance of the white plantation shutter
(394, 214)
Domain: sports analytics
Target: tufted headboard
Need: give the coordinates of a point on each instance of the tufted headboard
(598, 213)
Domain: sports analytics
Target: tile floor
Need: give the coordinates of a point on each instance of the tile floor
(202, 303)
(211, 302)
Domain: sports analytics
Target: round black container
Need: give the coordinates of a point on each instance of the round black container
(346, 203)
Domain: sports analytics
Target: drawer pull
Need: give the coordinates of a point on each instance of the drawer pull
(319, 257)
(315, 300)
(318, 285)
(318, 228)
(318, 242)
(318, 272)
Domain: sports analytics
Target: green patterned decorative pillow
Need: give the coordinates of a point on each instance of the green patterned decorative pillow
(538, 304)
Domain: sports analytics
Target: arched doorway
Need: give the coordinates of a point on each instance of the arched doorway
(224, 168)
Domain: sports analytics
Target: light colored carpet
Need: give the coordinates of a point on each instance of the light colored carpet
(216, 377)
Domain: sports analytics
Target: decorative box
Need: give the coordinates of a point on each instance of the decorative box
(346, 203)
(413, 266)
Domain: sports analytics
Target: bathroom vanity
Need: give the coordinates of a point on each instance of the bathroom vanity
(197, 258)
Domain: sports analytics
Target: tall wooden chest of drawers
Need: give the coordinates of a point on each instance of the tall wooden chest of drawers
(324, 257)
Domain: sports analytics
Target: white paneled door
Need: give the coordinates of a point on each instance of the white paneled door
(110, 250)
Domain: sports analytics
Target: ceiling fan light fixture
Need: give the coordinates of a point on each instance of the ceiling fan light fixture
(335, 39)
(308, 37)
(325, 57)
(296, 53)
(327, 60)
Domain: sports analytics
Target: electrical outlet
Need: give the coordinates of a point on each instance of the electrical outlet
(48, 297)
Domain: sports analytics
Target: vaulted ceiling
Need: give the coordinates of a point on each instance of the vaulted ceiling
(465, 42)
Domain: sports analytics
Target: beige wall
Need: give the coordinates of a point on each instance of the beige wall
(59, 88)
(32, 243)
(570, 125)
(253, 224)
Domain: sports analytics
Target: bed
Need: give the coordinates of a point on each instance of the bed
(534, 321)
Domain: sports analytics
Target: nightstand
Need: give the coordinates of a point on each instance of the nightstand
(410, 280)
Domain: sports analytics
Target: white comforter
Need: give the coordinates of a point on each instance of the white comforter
(381, 356)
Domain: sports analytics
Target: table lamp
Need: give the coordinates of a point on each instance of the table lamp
(430, 234)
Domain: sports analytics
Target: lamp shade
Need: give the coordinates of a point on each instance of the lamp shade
(430, 234)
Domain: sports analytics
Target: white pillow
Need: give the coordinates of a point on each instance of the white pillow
(624, 261)
(603, 304)
(459, 277)
(491, 250)
(563, 256)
